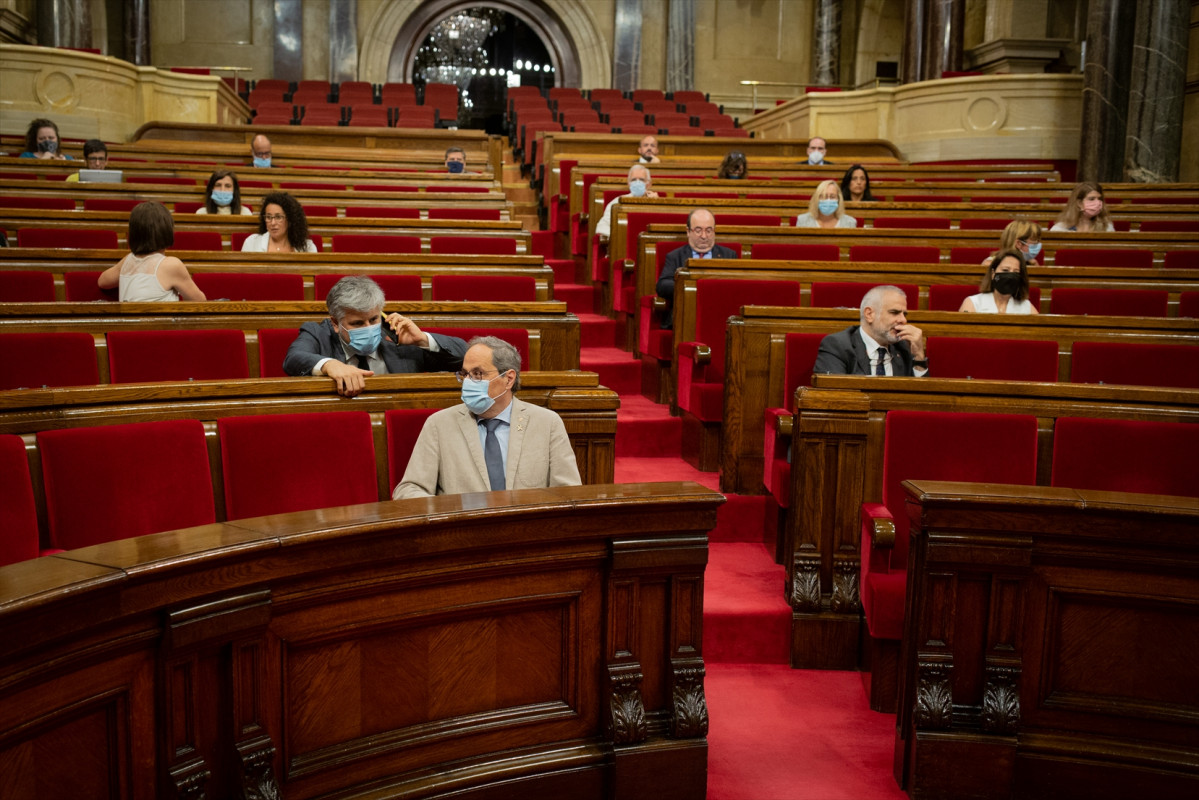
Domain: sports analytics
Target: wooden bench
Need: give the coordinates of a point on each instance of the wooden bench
(549, 643)
(1050, 640)
(837, 455)
(553, 332)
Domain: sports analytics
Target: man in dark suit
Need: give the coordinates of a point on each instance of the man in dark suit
(350, 346)
(701, 243)
(883, 344)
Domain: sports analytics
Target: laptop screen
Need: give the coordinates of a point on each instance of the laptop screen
(100, 175)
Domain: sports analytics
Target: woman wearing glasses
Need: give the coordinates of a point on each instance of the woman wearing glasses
(282, 227)
(1023, 235)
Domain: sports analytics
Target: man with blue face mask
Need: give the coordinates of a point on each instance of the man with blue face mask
(351, 344)
(260, 149)
(639, 186)
(493, 440)
(455, 160)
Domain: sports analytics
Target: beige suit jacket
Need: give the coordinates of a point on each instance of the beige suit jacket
(448, 458)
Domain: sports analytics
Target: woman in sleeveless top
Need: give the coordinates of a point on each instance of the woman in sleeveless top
(147, 274)
(1004, 287)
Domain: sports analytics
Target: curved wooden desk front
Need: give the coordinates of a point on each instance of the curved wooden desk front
(545, 643)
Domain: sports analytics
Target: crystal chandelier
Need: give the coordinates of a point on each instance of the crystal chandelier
(453, 51)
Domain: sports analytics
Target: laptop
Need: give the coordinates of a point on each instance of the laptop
(100, 175)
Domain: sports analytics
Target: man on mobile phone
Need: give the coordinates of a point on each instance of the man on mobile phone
(356, 341)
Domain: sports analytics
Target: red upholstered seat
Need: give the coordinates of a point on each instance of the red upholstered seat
(18, 511)
(183, 207)
(374, 243)
(1122, 455)
(761, 220)
(701, 386)
(800, 351)
(1170, 225)
(26, 286)
(197, 240)
(1181, 259)
(1111, 302)
(1103, 258)
(395, 287)
(382, 211)
(995, 359)
(384, 187)
(279, 463)
(403, 427)
(160, 180)
(465, 213)
(110, 204)
(982, 224)
(44, 203)
(485, 288)
(52, 358)
(466, 189)
(969, 255)
(116, 481)
(272, 349)
(254, 286)
(69, 238)
(841, 294)
(622, 279)
(948, 297)
(1167, 365)
(517, 337)
(1188, 304)
(320, 211)
(925, 198)
(920, 223)
(472, 245)
(931, 445)
(81, 287)
(898, 254)
(176, 355)
(796, 252)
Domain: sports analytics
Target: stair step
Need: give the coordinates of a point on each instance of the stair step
(617, 371)
(746, 619)
(645, 429)
(579, 299)
(740, 519)
(598, 331)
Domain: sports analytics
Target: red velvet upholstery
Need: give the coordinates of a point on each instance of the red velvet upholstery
(368, 116)
(176, 355)
(26, 286)
(321, 211)
(161, 180)
(374, 243)
(191, 208)
(1103, 258)
(1122, 455)
(485, 288)
(403, 427)
(1188, 304)
(465, 213)
(840, 294)
(1111, 302)
(899, 254)
(63, 238)
(383, 187)
(279, 463)
(81, 287)
(517, 337)
(969, 255)
(1170, 225)
(701, 387)
(924, 198)
(18, 511)
(382, 211)
(310, 185)
(472, 245)
(52, 358)
(948, 297)
(1164, 365)
(272, 349)
(622, 279)
(197, 240)
(759, 220)
(994, 359)
(982, 224)
(253, 286)
(110, 204)
(800, 350)
(796, 252)
(1181, 259)
(920, 223)
(466, 189)
(930, 445)
(395, 287)
(44, 203)
(116, 481)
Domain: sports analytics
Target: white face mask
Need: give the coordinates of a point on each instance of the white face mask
(637, 187)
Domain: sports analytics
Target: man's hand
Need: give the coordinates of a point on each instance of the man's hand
(915, 339)
(350, 380)
(407, 331)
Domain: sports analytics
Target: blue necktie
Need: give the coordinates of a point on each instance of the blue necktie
(880, 368)
(493, 456)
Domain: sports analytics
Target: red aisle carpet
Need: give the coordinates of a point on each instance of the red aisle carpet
(775, 733)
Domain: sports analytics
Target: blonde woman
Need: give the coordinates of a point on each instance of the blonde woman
(825, 209)
(1023, 235)
(1086, 212)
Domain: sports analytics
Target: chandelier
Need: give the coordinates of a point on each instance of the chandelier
(453, 51)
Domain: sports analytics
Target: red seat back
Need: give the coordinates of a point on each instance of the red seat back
(796, 252)
(18, 511)
(1149, 456)
(253, 286)
(1111, 302)
(969, 255)
(717, 299)
(279, 463)
(465, 213)
(472, 245)
(161, 180)
(81, 287)
(637, 222)
(898, 254)
(1103, 258)
(920, 223)
(26, 286)
(45, 203)
(842, 294)
(110, 204)
(395, 287)
(321, 211)
(760, 220)
(403, 427)
(996, 359)
(374, 243)
(1188, 304)
(948, 297)
(272, 350)
(198, 240)
(517, 337)
(1181, 259)
(53, 358)
(485, 288)
(1170, 225)
(176, 355)
(982, 225)
(71, 238)
(381, 211)
(800, 351)
(1166, 365)
(116, 481)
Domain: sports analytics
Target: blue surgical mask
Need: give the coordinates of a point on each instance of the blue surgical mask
(455, 166)
(828, 207)
(222, 198)
(475, 396)
(1034, 250)
(366, 339)
(816, 158)
(262, 162)
(637, 187)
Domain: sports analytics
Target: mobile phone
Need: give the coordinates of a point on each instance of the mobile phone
(389, 332)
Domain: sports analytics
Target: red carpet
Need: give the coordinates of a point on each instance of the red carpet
(746, 619)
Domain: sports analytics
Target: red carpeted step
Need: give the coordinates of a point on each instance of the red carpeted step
(759, 712)
(746, 619)
(564, 270)
(579, 299)
(616, 368)
(739, 519)
(646, 429)
(635, 469)
(596, 330)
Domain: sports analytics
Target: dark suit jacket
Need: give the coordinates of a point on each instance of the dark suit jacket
(844, 353)
(318, 340)
(675, 260)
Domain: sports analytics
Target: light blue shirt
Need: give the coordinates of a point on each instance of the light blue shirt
(501, 433)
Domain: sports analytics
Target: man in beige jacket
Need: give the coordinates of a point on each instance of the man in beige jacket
(492, 440)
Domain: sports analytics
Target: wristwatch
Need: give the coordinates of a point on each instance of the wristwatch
(922, 363)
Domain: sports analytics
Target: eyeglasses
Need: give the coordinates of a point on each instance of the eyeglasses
(474, 375)
(276, 218)
(703, 231)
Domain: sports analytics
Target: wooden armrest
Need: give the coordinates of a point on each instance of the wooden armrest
(698, 352)
(629, 265)
(879, 525)
(658, 303)
(782, 422)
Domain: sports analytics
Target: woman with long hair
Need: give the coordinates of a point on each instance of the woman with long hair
(1086, 212)
(282, 227)
(1004, 287)
(825, 209)
(855, 186)
(222, 195)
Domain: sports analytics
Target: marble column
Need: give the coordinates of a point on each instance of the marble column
(289, 40)
(626, 54)
(943, 38)
(137, 32)
(1153, 145)
(343, 40)
(826, 55)
(64, 23)
(1107, 64)
(680, 47)
(915, 19)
